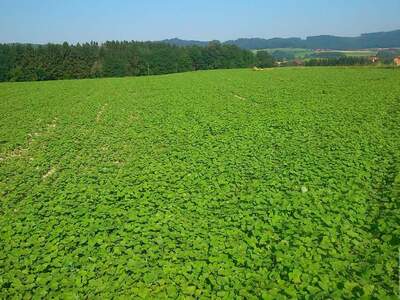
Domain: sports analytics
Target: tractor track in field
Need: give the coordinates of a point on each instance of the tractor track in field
(33, 138)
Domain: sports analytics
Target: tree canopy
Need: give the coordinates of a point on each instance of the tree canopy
(26, 62)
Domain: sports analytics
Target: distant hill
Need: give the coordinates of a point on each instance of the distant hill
(390, 39)
(179, 42)
(245, 43)
(367, 40)
(257, 43)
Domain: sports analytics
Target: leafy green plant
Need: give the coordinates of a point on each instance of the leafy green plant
(222, 184)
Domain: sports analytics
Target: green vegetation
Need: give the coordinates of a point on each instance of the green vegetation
(367, 52)
(288, 53)
(282, 54)
(216, 184)
(387, 56)
(340, 60)
(338, 53)
(264, 59)
(25, 62)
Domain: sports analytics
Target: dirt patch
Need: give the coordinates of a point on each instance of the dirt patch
(49, 173)
(15, 153)
(53, 124)
(32, 138)
(239, 97)
(133, 117)
(101, 112)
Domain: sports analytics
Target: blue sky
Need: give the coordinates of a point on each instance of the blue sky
(41, 21)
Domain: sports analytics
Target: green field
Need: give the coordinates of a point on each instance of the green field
(297, 52)
(357, 52)
(227, 184)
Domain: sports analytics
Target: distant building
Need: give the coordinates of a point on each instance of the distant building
(298, 62)
(281, 63)
(373, 59)
(396, 61)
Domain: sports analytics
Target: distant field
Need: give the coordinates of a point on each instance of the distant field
(297, 52)
(231, 184)
(358, 52)
(302, 53)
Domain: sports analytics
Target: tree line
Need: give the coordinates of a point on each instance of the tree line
(386, 56)
(27, 62)
(339, 61)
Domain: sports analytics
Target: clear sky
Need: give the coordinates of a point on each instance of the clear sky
(41, 21)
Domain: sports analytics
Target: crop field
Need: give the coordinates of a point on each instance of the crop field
(358, 52)
(297, 52)
(231, 184)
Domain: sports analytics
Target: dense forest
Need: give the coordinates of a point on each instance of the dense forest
(25, 62)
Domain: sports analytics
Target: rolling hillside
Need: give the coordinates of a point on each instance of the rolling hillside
(390, 39)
